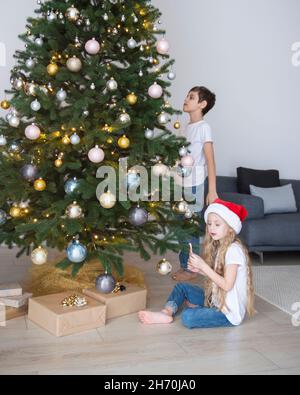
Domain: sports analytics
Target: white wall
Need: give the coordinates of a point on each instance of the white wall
(241, 49)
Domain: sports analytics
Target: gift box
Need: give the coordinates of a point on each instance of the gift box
(12, 312)
(13, 289)
(133, 299)
(49, 313)
(15, 301)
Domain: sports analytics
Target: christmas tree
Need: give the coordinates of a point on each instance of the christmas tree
(88, 92)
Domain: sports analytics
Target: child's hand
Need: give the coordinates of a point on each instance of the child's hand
(211, 197)
(195, 263)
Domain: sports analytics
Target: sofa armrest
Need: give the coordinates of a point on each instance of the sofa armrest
(253, 204)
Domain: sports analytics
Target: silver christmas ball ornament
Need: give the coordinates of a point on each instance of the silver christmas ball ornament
(71, 186)
(29, 172)
(105, 283)
(3, 217)
(138, 216)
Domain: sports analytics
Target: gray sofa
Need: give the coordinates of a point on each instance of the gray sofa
(261, 233)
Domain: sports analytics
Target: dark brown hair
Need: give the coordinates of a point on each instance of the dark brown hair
(207, 95)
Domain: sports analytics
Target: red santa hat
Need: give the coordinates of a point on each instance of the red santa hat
(233, 214)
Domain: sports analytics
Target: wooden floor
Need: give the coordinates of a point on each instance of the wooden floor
(268, 344)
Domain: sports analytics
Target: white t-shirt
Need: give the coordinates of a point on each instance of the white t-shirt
(197, 134)
(236, 298)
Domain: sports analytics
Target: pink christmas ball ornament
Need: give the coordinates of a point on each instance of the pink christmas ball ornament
(187, 161)
(92, 47)
(96, 155)
(163, 46)
(155, 91)
(32, 132)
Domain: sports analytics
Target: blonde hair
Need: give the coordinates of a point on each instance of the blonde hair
(214, 253)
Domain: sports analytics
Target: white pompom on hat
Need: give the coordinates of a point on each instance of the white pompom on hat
(233, 214)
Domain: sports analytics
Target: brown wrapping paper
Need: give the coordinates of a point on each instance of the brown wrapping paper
(122, 303)
(47, 312)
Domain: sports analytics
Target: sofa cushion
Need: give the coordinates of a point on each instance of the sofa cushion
(276, 200)
(296, 189)
(273, 230)
(253, 204)
(259, 178)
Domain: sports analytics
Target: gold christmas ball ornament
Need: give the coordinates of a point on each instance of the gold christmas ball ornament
(66, 140)
(15, 212)
(40, 185)
(132, 99)
(58, 163)
(164, 267)
(177, 125)
(124, 142)
(52, 69)
(5, 104)
(110, 140)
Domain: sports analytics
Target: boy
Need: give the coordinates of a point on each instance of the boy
(197, 104)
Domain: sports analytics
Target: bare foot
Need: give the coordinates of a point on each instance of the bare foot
(148, 317)
(190, 305)
(185, 276)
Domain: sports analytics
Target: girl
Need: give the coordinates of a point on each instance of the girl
(229, 292)
(197, 104)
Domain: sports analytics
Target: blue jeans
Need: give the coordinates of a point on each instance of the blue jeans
(198, 317)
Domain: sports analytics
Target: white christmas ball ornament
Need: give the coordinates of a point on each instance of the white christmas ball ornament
(188, 214)
(75, 139)
(124, 118)
(108, 200)
(164, 267)
(187, 161)
(96, 155)
(183, 151)
(163, 46)
(92, 47)
(171, 75)
(155, 91)
(74, 64)
(182, 206)
(32, 132)
(160, 170)
(163, 118)
(3, 140)
(39, 41)
(30, 63)
(74, 211)
(61, 95)
(112, 85)
(149, 134)
(39, 256)
(35, 105)
(14, 121)
(51, 16)
(131, 43)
